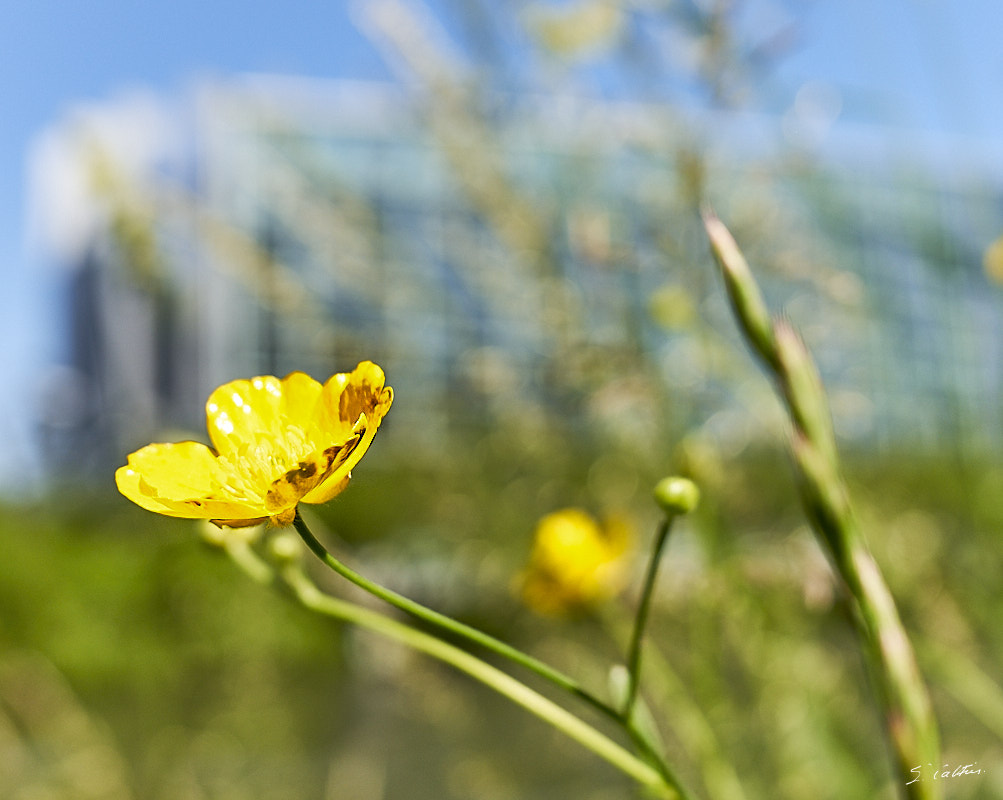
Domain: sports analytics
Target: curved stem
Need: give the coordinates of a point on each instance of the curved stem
(637, 733)
(450, 625)
(641, 620)
(504, 684)
(692, 728)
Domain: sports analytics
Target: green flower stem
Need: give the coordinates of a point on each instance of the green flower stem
(452, 626)
(688, 720)
(649, 746)
(641, 620)
(311, 597)
(643, 743)
(909, 720)
(643, 738)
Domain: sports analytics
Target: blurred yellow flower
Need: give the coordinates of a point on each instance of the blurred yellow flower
(275, 443)
(992, 261)
(575, 563)
(577, 29)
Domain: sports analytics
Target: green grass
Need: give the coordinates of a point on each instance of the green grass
(189, 680)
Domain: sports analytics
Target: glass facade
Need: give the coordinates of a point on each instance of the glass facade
(546, 274)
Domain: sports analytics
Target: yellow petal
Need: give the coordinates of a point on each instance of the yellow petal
(348, 395)
(328, 490)
(336, 476)
(300, 394)
(286, 490)
(355, 401)
(180, 469)
(130, 484)
(245, 412)
(181, 480)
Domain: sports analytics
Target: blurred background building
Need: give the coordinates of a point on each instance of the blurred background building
(525, 261)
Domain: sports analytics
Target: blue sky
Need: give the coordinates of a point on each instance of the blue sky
(928, 65)
(920, 64)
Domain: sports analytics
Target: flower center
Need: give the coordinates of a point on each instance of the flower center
(250, 472)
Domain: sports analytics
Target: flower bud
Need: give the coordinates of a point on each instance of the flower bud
(677, 495)
(285, 547)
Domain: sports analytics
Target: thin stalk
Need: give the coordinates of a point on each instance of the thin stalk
(909, 721)
(310, 597)
(648, 748)
(641, 620)
(452, 626)
(645, 746)
(692, 728)
(570, 725)
(637, 732)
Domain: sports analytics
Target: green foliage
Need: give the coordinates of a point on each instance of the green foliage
(197, 682)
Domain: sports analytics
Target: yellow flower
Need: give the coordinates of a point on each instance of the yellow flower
(992, 261)
(575, 563)
(275, 443)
